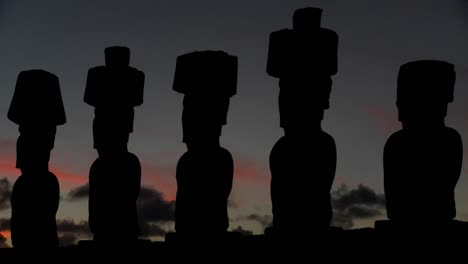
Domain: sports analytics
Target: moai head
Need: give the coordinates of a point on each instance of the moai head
(37, 101)
(202, 119)
(116, 85)
(33, 148)
(117, 56)
(302, 103)
(110, 137)
(207, 79)
(307, 19)
(424, 90)
(306, 50)
(303, 58)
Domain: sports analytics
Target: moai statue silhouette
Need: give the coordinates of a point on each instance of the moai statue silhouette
(422, 161)
(37, 108)
(303, 161)
(205, 172)
(115, 177)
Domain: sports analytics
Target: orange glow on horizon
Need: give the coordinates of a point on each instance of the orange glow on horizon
(8, 168)
(6, 234)
(67, 179)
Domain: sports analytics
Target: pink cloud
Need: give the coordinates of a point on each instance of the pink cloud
(160, 177)
(8, 167)
(247, 175)
(387, 121)
(8, 158)
(251, 184)
(66, 178)
(251, 181)
(7, 144)
(247, 171)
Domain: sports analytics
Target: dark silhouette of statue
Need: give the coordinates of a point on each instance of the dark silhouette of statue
(115, 177)
(422, 161)
(205, 172)
(303, 161)
(37, 108)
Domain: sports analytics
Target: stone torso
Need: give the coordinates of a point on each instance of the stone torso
(204, 181)
(302, 175)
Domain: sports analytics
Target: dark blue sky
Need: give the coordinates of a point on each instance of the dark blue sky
(376, 37)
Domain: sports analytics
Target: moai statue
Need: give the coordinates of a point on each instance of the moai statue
(423, 160)
(37, 108)
(205, 172)
(115, 177)
(303, 161)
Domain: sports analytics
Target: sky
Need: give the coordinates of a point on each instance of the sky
(376, 37)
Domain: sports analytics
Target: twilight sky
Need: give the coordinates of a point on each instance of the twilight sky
(376, 37)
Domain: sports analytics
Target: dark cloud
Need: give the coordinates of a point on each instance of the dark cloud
(152, 229)
(3, 243)
(344, 198)
(5, 193)
(363, 212)
(263, 220)
(70, 231)
(4, 224)
(152, 207)
(342, 220)
(69, 225)
(153, 212)
(68, 239)
(243, 231)
(79, 193)
(359, 203)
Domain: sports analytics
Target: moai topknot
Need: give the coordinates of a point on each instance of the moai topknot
(303, 161)
(37, 108)
(114, 90)
(115, 177)
(422, 161)
(205, 172)
(37, 100)
(306, 49)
